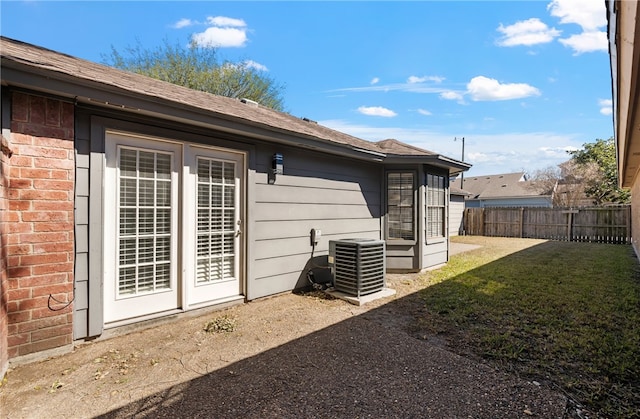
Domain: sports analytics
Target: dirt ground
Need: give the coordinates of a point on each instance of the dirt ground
(291, 355)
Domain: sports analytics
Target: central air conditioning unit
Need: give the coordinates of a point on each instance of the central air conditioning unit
(357, 265)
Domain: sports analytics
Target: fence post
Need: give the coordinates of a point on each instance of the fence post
(521, 221)
(465, 221)
(570, 221)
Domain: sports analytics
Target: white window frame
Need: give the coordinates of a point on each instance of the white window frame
(435, 198)
(412, 207)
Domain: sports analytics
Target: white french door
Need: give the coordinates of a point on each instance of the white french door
(213, 224)
(172, 226)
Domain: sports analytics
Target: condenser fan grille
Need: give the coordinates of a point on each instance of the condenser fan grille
(358, 265)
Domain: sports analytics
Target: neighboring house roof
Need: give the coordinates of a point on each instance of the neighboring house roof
(84, 81)
(457, 191)
(508, 185)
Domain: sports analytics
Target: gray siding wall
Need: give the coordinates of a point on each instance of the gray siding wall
(472, 203)
(81, 302)
(435, 253)
(456, 212)
(340, 197)
(89, 144)
(401, 257)
(89, 148)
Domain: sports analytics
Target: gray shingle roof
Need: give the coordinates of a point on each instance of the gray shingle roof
(20, 54)
(392, 146)
(507, 185)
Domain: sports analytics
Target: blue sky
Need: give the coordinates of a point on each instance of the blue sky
(521, 81)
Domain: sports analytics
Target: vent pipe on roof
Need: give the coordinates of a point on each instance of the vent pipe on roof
(249, 102)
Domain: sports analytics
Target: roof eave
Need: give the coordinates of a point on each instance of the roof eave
(437, 160)
(623, 34)
(81, 89)
(78, 90)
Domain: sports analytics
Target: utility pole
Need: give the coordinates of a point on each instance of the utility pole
(461, 174)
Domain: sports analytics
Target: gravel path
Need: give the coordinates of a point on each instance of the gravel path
(288, 356)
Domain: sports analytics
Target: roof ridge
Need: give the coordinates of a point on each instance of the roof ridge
(391, 144)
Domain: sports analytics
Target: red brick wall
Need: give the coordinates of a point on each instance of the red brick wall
(4, 284)
(39, 227)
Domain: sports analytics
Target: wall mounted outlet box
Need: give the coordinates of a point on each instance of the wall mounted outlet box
(315, 236)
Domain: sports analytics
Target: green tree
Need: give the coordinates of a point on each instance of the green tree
(198, 68)
(599, 158)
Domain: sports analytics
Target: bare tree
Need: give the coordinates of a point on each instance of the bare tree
(566, 182)
(571, 191)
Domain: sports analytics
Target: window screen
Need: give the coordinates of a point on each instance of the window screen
(400, 212)
(216, 220)
(436, 205)
(144, 227)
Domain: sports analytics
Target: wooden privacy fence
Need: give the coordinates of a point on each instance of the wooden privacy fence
(592, 224)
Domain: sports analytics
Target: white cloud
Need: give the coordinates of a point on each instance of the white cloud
(424, 112)
(376, 111)
(223, 21)
(480, 157)
(375, 80)
(480, 88)
(372, 133)
(224, 32)
(588, 14)
(255, 65)
(221, 37)
(557, 152)
(587, 42)
(451, 95)
(527, 32)
(183, 23)
(606, 106)
(403, 87)
(416, 79)
(489, 153)
(485, 89)
(245, 64)
(512, 152)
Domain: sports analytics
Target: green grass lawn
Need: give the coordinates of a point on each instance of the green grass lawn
(563, 313)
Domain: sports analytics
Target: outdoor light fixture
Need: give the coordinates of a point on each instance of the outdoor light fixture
(277, 165)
